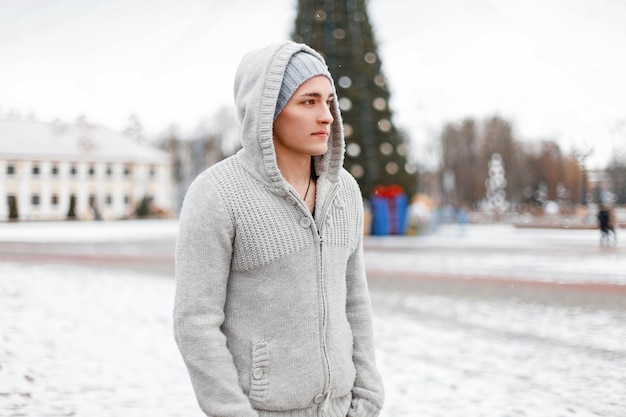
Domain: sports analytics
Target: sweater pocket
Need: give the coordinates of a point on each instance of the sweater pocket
(260, 372)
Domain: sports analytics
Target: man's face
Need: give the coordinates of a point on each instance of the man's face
(303, 126)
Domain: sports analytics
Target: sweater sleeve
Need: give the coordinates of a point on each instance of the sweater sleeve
(367, 392)
(203, 256)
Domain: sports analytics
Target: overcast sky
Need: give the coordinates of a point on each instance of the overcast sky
(555, 68)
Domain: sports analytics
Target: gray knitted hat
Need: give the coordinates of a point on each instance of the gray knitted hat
(301, 67)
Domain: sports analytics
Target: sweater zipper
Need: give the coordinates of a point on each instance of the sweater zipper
(325, 208)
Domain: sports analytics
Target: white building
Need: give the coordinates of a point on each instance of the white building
(55, 171)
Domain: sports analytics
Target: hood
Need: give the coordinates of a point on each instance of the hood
(257, 84)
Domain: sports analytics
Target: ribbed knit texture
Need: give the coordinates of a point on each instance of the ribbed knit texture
(272, 313)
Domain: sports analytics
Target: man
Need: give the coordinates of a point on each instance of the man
(272, 312)
(603, 223)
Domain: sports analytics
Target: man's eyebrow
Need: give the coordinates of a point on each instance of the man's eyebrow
(316, 95)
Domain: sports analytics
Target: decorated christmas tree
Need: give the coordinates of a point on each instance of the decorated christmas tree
(376, 152)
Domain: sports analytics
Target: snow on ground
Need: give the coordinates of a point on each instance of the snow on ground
(78, 231)
(88, 342)
(545, 255)
(92, 340)
(449, 356)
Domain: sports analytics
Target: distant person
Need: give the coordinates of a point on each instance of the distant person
(603, 224)
(611, 224)
(272, 311)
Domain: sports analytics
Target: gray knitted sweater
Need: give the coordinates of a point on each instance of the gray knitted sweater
(272, 313)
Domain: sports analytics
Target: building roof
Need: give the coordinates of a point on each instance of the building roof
(75, 142)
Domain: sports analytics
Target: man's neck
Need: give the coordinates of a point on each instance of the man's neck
(296, 171)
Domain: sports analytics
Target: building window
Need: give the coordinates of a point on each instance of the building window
(54, 200)
(109, 200)
(109, 171)
(10, 169)
(127, 170)
(92, 170)
(152, 171)
(36, 170)
(34, 199)
(126, 200)
(54, 170)
(73, 171)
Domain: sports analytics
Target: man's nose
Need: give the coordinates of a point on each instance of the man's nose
(326, 116)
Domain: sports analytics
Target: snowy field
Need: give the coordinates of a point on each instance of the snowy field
(491, 321)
